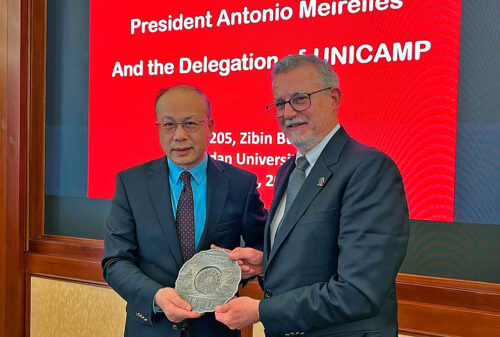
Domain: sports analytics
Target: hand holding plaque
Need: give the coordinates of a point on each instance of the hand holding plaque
(208, 279)
(173, 306)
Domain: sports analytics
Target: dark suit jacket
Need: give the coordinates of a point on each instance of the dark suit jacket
(332, 268)
(141, 249)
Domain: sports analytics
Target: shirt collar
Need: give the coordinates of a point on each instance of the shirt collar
(198, 172)
(313, 155)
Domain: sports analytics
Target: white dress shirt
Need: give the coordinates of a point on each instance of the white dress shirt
(311, 156)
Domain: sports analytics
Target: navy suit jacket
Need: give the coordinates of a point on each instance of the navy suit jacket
(141, 249)
(332, 268)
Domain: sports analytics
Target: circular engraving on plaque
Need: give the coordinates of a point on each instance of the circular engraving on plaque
(208, 280)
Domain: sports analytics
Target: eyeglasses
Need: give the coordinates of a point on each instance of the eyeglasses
(299, 102)
(188, 126)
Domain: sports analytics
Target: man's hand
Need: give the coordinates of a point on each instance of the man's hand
(249, 259)
(174, 307)
(238, 313)
(217, 247)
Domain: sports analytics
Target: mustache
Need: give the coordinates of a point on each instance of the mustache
(294, 120)
(180, 145)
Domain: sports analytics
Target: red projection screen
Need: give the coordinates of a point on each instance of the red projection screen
(397, 62)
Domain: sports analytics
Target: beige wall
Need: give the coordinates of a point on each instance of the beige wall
(258, 330)
(60, 308)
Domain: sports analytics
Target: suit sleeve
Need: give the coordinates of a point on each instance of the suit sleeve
(254, 218)
(119, 262)
(373, 235)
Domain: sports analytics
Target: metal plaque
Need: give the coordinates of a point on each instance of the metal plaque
(208, 279)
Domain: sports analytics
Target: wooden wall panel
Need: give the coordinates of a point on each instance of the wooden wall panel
(65, 268)
(3, 162)
(435, 320)
(432, 306)
(35, 123)
(428, 306)
(13, 40)
(449, 292)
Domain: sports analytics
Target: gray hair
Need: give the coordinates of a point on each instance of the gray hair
(326, 73)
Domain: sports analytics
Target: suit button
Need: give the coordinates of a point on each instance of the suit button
(175, 327)
(268, 293)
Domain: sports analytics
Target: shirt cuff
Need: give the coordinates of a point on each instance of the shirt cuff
(156, 309)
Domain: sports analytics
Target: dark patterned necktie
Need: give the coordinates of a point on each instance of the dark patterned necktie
(185, 217)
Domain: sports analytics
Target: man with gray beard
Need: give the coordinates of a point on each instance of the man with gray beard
(337, 229)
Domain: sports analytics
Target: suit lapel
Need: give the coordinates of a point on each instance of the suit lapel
(322, 170)
(306, 194)
(280, 188)
(159, 192)
(217, 190)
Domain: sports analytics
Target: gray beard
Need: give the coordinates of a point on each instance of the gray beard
(305, 144)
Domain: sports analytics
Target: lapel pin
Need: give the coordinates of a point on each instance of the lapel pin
(321, 182)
